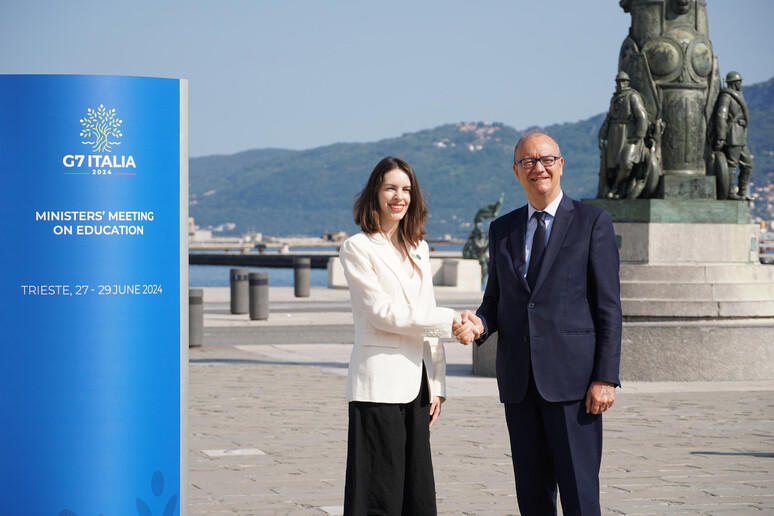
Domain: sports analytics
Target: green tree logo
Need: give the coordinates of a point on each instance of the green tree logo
(101, 124)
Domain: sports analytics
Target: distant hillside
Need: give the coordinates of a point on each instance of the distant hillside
(760, 139)
(460, 166)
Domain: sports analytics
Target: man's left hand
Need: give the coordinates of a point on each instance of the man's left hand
(600, 397)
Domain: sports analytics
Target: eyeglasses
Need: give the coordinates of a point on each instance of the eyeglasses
(546, 161)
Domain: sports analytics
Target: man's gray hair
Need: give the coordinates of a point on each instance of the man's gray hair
(532, 133)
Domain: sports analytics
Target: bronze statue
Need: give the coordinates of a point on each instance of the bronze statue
(680, 6)
(621, 139)
(729, 140)
(690, 130)
(476, 249)
(489, 211)
(671, 63)
(477, 244)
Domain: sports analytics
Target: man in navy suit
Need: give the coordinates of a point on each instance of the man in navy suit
(553, 297)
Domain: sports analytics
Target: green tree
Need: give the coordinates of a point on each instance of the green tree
(101, 124)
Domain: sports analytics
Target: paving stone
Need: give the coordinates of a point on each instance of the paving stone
(670, 448)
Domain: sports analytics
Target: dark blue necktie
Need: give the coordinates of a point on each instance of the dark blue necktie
(538, 246)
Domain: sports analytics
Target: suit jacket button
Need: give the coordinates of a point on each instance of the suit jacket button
(531, 306)
(525, 338)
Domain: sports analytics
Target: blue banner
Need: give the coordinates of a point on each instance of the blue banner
(90, 290)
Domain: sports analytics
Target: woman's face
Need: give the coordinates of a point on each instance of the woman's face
(394, 197)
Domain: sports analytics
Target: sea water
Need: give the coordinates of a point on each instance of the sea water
(219, 276)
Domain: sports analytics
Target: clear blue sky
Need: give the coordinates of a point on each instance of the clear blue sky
(301, 74)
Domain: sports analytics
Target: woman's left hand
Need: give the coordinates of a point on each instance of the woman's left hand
(435, 409)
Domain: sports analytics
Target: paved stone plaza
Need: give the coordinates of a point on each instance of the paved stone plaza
(268, 426)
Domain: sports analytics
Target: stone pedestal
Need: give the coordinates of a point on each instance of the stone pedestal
(674, 186)
(462, 274)
(687, 211)
(697, 350)
(697, 303)
(336, 278)
(679, 243)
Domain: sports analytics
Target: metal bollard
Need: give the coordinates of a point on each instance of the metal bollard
(259, 296)
(302, 268)
(195, 317)
(239, 294)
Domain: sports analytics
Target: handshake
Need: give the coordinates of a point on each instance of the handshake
(467, 327)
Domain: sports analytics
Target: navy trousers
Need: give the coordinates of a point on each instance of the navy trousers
(555, 444)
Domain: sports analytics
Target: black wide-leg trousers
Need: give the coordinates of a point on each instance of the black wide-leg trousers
(389, 466)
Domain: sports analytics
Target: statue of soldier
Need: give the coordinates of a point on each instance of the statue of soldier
(730, 134)
(624, 130)
(476, 249)
(477, 244)
(489, 211)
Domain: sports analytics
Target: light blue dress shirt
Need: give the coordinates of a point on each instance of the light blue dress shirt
(532, 226)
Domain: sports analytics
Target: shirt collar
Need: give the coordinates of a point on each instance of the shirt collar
(550, 209)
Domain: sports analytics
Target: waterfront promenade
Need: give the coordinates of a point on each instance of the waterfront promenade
(268, 425)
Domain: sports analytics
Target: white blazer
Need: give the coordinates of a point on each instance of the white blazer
(394, 330)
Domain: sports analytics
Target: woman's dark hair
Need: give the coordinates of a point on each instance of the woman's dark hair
(366, 206)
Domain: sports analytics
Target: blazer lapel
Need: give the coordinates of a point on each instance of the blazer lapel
(518, 237)
(423, 268)
(560, 225)
(385, 253)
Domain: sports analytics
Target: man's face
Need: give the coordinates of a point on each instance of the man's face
(621, 84)
(541, 183)
(735, 85)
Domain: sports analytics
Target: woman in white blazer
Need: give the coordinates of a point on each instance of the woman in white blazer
(396, 380)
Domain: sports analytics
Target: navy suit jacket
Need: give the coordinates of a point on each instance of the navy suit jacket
(569, 327)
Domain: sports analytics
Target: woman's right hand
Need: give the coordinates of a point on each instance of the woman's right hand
(435, 409)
